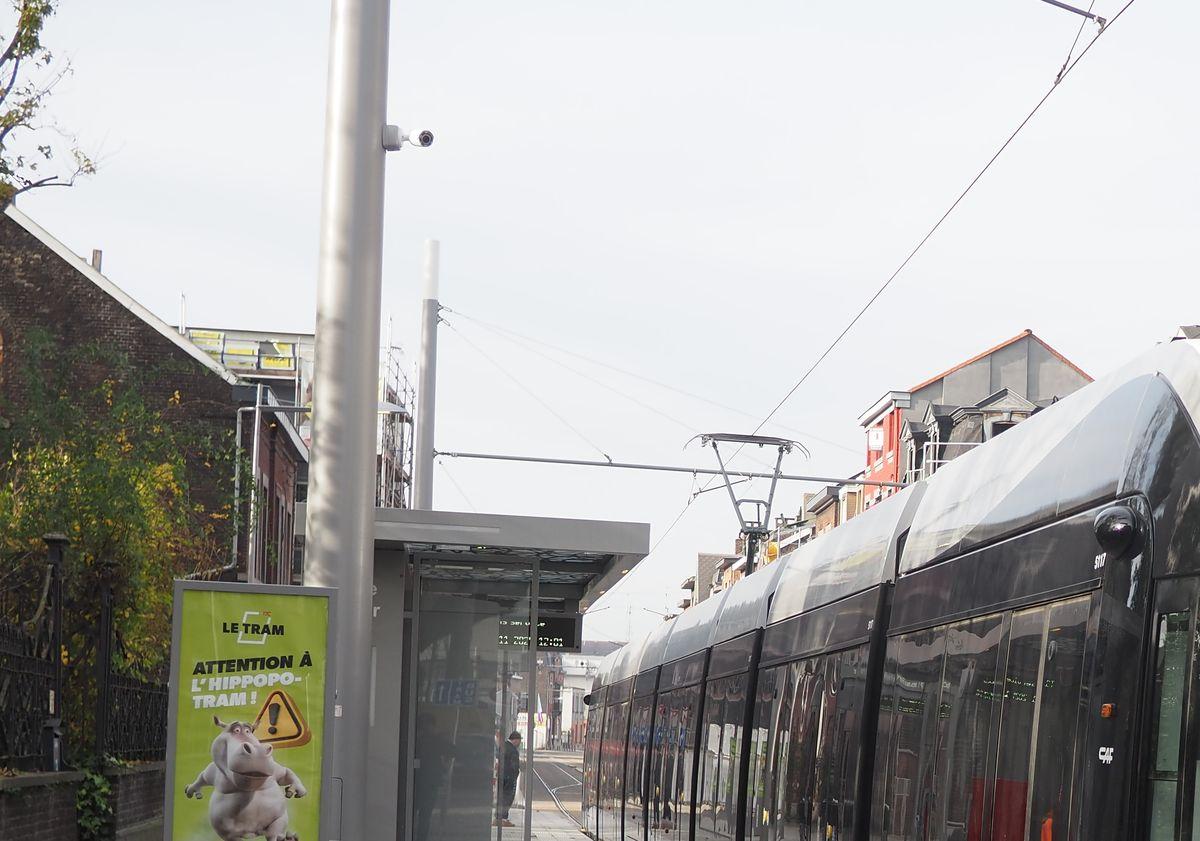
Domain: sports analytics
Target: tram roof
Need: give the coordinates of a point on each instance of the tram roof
(1077, 452)
(627, 660)
(747, 602)
(656, 645)
(694, 628)
(604, 670)
(850, 559)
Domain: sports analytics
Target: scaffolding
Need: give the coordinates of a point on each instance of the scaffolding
(394, 434)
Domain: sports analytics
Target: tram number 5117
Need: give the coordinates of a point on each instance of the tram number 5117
(1106, 756)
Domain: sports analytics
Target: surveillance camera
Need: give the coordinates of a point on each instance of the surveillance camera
(421, 137)
(394, 137)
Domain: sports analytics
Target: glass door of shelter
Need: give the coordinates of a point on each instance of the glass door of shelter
(476, 703)
(1171, 786)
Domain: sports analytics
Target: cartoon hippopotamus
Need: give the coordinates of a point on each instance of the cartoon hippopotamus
(250, 786)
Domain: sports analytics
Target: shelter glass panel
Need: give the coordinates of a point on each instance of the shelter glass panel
(471, 693)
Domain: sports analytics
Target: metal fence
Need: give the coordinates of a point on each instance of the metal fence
(26, 701)
(130, 720)
(137, 719)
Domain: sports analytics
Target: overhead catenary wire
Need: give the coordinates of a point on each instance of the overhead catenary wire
(457, 486)
(1068, 67)
(512, 334)
(1071, 52)
(938, 224)
(529, 391)
(594, 380)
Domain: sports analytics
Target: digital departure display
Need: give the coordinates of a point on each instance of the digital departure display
(556, 632)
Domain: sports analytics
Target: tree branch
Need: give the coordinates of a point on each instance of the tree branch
(12, 80)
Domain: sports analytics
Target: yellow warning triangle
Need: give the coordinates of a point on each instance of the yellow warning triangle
(280, 722)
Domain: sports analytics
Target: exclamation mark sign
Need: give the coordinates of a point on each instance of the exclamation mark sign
(273, 718)
(253, 697)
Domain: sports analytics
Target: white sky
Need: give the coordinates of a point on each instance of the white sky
(700, 192)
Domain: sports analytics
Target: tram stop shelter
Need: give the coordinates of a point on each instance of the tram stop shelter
(455, 669)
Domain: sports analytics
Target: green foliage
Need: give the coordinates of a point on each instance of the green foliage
(93, 809)
(87, 454)
(33, 147)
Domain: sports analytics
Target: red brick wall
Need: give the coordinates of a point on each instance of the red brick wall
(41, 290)
(137, 794)
(39, 807)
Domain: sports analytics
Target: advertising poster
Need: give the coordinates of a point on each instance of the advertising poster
(250, 694)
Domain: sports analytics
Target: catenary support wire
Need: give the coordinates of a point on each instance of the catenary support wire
(610, 388)
(529, 391)
(513, 336)
(938, 224)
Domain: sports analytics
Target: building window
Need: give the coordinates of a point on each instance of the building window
(1001, 426)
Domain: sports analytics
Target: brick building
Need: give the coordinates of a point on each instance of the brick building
(911, 433)
(46, 287)
(285, 361)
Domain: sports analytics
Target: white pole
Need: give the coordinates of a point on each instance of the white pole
(341, 509)
(426, 384)
(252, 560)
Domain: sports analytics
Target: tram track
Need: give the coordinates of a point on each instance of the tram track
(553, 791)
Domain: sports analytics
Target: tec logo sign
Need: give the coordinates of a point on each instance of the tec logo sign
(1106, 756)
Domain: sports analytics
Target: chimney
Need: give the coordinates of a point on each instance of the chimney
(97, 258)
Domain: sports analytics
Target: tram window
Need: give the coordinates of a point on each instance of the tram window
(846, 683)
(718, 794)
(1016, 725)
(1170, 672)
(591, 748)
(671, 782)
(799, 813)
(969, 692)
(635, 766)
(918, 681)
(612, 770)
(1062, 678)
(763, 751)
(881, 788)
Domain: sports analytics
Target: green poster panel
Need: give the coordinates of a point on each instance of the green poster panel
(251, 695)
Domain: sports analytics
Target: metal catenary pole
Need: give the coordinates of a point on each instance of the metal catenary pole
(56, 545)
(426, 384)
(340, 548)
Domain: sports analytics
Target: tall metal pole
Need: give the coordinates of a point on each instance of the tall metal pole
(341, 510)
(252, 560)
(426, 384)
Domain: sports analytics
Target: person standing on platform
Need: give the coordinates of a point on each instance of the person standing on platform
(510, 769)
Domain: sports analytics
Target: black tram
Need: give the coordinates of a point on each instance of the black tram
(1007, 651)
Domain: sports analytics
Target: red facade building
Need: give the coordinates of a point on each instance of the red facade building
(910, 433)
